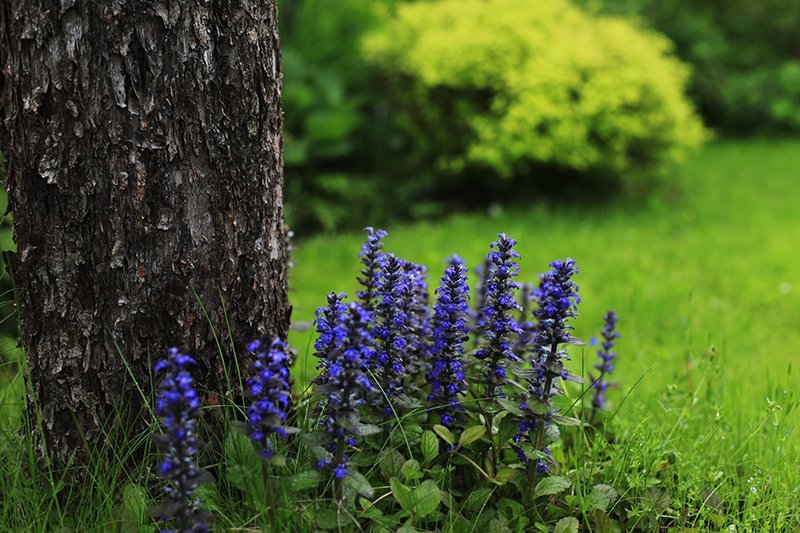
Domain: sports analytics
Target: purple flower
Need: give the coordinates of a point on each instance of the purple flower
(178, 405)
(499, 326)
(450, 332)
(392, 326)
(346, 384)
(558, 302)
(606, 365)
(371, 252)
(269, 392)
(419, 319)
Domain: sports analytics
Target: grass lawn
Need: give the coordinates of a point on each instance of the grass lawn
(706, 281)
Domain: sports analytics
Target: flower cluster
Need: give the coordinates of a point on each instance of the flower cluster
(450, 332)
(179, 407)
(346, 383)
(327, 322)
(269, 392)
(370, 256)
(606, 365)
(558, 301)
(392, 329)
(482, 272)
(499, 326)
(419, 317)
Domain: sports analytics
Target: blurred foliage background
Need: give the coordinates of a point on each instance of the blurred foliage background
(410, 109)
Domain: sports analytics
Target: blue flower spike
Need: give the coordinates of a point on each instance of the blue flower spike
(178, 405)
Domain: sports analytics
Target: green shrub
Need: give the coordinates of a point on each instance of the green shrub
(337, 136)
(742, 53)
(513, 84)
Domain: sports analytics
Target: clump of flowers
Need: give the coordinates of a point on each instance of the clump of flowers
(328, 330)
(499, 326)
(178, 405)
(392, 327)
(269, 392)
(558, 302)
(346, 384)
(419, 317)
(451, 312)
(606, 365)
(371, 252)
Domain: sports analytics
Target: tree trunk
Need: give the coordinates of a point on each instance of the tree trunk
(144, 154)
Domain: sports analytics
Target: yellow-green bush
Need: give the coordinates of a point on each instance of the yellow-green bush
(515, 84)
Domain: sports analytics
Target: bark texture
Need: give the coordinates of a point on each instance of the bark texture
(144, 162)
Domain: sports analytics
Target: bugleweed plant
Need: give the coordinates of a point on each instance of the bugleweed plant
(402, 405)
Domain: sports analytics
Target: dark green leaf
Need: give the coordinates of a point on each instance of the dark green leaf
(327, 519)
(551, 485)
(568, 524)
(477, 499)
(603, 496)
(303, 480)
(391, 463)
(316, 438)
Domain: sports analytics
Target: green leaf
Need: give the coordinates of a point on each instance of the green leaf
(364, 430)
(470, 435)
(239, 450)
(359, 483)
(603, 496)
(242, 478)
(477, 499)
(430, 446)
(327, 519)
(402, 494)
(568, 524)
(275, 460)
(551, 434)
(444, 433)
(304, 480)
(499, 524)
(551, 485)
(315, 438)
(538, 408)
(391, 463)
(427, 497)
(562, 420)
(411, 470)
(511, 407)
(504, 475)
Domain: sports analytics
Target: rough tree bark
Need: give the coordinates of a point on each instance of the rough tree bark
(144, 162)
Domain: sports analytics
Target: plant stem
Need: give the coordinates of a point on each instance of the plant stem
(269, 500)
(338, 484)
(537, 445)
